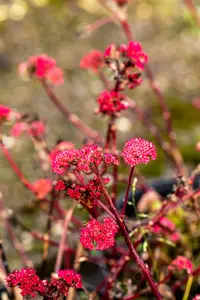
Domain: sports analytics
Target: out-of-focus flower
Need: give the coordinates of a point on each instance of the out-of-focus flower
(61, 147)
(181, 263)
(27, 280)
(43, 67)
(197, 297)
(42, 187)
(138, 151)
(99, 235)
(7, 114)
(35, 129)
(93, 60)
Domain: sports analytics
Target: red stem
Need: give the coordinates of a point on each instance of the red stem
(63, 237)
(72, 117)
(15, 168)
(127, 191)
(145, 271)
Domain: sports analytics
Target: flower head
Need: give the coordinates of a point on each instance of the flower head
(93, 60)
(99, 234)
(31, 285)
(27, 280)
(137, 151)
(63, 281)
(88, 193)
(60, 185)
(81, 159)
(111, 102)
(42, 187)
(181, 263)
(127, 62)
(43, 67)
(197, 297)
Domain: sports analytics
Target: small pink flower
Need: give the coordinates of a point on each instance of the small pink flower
(18, 128)
(37, 129)
(60, 185)
(93, 60)
(111, 102)
(197, 297)
(181, 263)
(99, 234)
(43, 67)
(138, 151)
(42, 187)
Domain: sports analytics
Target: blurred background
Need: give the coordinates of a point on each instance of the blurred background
(167, 33)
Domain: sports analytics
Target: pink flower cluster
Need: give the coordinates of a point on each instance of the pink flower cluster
(166, 227)
(137, 151)
(81, 159)
(43, 67)
(111, 102)
(31, 285)
(126, 61)
(27, 280)
(34, 129)
(87, 193)
(197, 297)
(181, 263)
(42, 187)
(93, 60)
(99, 234)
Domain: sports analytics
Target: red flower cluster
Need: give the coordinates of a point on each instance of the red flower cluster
(31, 285)
(197, 297)
(166, 227)
(138, 151)
(181, 263)
(123, 60)
(35, 129)
(99, 234)
(43, 67)
(93, 60)
(60, 185)
(111, 102)
(27, 280)
(42, 187)
(87, 193)
(132, 52)
(66, 279)
(81, 159)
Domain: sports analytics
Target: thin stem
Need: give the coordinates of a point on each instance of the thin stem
(72, 117)
(106, 209)
(16, 243)
(127, 191)
(188, 288)
(145, 271)
(63, 237)
(96, 25)
(15, 168)
(47, 232)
